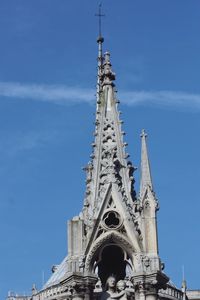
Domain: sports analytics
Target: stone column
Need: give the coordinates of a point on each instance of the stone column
(80, 286)
(90, 282)
(147, 285)
(151, 293)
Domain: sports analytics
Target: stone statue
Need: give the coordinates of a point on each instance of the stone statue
(121, 293)
(110, 288)
(115, 291)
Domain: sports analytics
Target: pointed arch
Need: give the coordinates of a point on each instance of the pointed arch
(106, 239)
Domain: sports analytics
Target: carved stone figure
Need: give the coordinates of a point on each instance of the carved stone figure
(121, 285)
(115, 291)
(110, 288)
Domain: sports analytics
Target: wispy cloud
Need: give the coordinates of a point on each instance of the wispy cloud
(176, 99)
(59, 94)
(67, 95)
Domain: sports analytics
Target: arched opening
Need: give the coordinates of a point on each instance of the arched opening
(112, 263)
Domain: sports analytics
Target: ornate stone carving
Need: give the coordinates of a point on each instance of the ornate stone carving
(107, 75)
(112, 220)
(116, 290)
(133, 217)
(78, 286)
(131, 169)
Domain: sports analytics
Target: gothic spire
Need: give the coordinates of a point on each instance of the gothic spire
(108, 164)
(145, 180)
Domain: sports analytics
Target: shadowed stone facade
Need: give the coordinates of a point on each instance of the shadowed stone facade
(113, 242)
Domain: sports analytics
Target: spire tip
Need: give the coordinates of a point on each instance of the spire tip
(143, 133)
(100, 39)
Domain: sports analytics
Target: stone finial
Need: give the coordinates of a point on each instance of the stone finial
(146, 179)
(107, 75)
(34, 289)
(184, 289)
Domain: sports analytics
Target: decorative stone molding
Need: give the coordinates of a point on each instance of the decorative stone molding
(150, 282)
(80, 286)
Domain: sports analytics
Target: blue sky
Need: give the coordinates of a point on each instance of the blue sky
(47, 85)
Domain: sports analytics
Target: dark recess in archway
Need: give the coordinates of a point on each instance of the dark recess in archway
(112, 263)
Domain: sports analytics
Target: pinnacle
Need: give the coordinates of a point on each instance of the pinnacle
(143, 134)
(146, 179)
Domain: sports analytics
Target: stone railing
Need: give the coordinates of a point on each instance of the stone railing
(48, 293)
(171, 292)
(12, 296)
(51, 292)
(193, 294)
